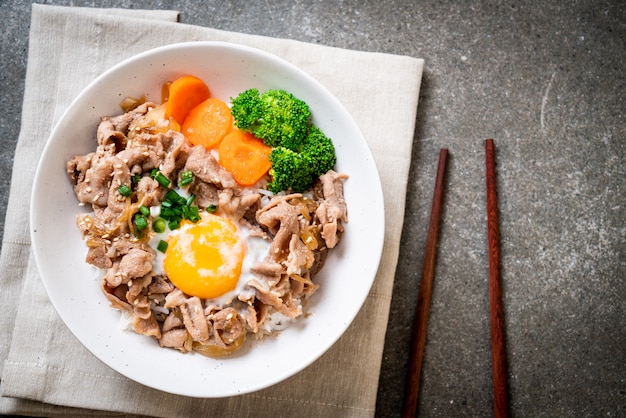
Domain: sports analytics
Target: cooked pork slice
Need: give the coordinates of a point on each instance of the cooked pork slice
(113, 278)
(136, 287)
(149, 326)
(137, 263)
(140, 158)
(141, 306)
(206, 194)
(116, 202)
(269, 270)
(282, 220)
(330, 233)
(123, 245)
(228, 326)
(270, 297)
(120, 123)
(160, 285)
(116, 296)
(175, 298)
(172, 321)
(234, 206)
(249, 315)
(300, 256)
(174, 338)
(149, 192)
(108, 135)
(77, 167)
(92, 183)
(172, 143)
(206, 168)
(97, 256)
(332, 211)
(194, 319)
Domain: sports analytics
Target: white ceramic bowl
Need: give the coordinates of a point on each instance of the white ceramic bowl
(74, 290)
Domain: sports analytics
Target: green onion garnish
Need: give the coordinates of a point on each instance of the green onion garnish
(174, 224)
(186, 177)
(140, 222)
(124, 190)
(153, 173)
(166, 212)
(162, 246)
(211, 208)
(159, 225)
(172, 196)
(135, 179)
(193, 214)
(144, 210)
(163, 181)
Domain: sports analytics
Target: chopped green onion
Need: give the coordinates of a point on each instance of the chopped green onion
(153, 173)
(186, 177)
(141, 222)
(193, 214)
(172, 196)
(162, 246)
(174, 224)
(211, 208)
(144, 210)
(124, 190)
(166, 212)
(159, 225)
(135, 179)
(166, 204)
(163, 181)
(190, 199)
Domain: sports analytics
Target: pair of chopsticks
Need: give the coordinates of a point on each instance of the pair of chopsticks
(500, 396)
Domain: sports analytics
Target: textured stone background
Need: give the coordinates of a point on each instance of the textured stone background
(546, 80)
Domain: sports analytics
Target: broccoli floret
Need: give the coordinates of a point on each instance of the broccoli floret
(290, 171)
(319, 150)
(277, 117)
(247, 109)
(296, 171)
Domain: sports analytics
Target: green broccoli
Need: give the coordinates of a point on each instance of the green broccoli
(277, 117)
(296, 171)
(319, 150)
(290, 171)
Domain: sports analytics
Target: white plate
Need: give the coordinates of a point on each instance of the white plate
(74, 291)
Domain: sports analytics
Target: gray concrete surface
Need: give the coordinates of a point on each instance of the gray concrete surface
(546, 80)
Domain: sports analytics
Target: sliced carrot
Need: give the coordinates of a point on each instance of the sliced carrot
(185, 93)
(245, 157)
(208, 123)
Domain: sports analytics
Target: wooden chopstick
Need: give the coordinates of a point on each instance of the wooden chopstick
(498, 355)
(423, 298)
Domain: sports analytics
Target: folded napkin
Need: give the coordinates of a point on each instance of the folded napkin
(44, 370)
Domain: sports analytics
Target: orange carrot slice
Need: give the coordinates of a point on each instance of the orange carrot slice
(245, 157)
(208, 123)
(185, 93)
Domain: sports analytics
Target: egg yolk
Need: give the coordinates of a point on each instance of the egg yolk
(205, 259)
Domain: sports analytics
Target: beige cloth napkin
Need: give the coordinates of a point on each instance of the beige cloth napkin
(45, 370)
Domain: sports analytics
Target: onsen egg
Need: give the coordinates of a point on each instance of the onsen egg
(210, 259)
